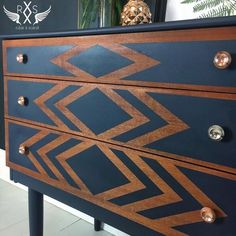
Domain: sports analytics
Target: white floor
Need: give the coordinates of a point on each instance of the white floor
(14, 216)
(60, 219)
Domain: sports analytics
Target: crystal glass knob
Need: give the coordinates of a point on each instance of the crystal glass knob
(216, 133)
(22, 101)
(208, 215)
(222, 60)
(21, 58)
(23, 150)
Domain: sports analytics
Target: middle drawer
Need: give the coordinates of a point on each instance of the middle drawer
(158, 120)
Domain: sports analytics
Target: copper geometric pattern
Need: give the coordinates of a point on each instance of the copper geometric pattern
(150, 65)
(132, 130)
(127, 84)
(140, 62)
(133, 210)
(171, 124)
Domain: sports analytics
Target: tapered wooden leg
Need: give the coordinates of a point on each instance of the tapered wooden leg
(97, 225)
(35, 201)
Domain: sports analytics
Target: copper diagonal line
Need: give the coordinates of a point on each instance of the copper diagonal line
(175, 125)
(36, 163)
(218, 171)
(158, 227)
(191, 188)
(134, 185)
(62, 61)
(169, 196)
(61, 105)
(137, 117)
(34, 139)
(31, 141)
(49, 147)
(75, 150)
(141, 61)
(180, 219)
(40, 101)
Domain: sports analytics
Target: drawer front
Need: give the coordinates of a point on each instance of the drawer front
(37, 61)
(181, 59)
(171, 122)
(162, 196)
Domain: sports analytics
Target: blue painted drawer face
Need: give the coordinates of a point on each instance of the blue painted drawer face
(189, 63)
(161, 196)
(38, 60)
(156, 59)
(168, 122)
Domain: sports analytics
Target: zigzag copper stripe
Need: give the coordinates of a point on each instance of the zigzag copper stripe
(168, 196)
(141, 62)
(138, 118)
(175, 125)
(62, 157)
(134, 185)
(61, 105)
(40, 101)
(191, 187)
(62, 61)
(162, 225)
(29, 142)
(49, 147)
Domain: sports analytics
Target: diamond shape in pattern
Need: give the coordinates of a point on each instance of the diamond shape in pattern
(98, 112)
(93, 167)
(99, 61)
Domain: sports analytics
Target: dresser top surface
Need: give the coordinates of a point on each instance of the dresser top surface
(164, 26)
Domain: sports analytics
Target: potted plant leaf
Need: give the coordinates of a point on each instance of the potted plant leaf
(99, 13)
(212, 8)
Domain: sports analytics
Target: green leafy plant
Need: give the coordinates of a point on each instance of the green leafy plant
(212, 8)
(89, 11)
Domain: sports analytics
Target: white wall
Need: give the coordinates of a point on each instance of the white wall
(177, 11)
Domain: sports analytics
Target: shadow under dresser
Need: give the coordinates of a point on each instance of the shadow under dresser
(133, 126)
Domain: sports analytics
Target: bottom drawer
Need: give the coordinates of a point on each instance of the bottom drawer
(161, 196)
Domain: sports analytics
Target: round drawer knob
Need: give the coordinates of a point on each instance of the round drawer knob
(23, 150)
(22, 101)
(216, 133)
(222, 60)
(208, 215)
(21, 58)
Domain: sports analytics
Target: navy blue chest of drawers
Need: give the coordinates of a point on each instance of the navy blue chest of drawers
(134, 126)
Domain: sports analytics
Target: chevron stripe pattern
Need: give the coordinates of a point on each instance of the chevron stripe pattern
(130, 116)
(139, 188)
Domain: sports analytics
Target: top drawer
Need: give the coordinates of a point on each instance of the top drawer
(178, 59)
